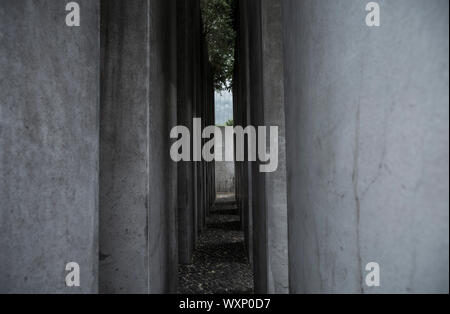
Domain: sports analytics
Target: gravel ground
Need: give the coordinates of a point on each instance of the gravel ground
(220, 265)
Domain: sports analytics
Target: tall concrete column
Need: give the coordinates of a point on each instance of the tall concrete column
(260, 266)
(241, 109)
(198, 106)
(138, 241)
(367, 112)
(163, 117)
(211, 121)
(273, 103)
(262, 103)
(186, 197)
(49, 144)
(194, 101)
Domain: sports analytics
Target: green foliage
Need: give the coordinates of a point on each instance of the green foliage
(229, 123)
(218, 21)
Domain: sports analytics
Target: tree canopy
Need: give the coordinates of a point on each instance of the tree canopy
(220, 34)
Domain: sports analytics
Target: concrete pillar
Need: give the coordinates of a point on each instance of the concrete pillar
(48, 146)
(198, 106)
(262, 103)
(163, 117)
(367, 113)
(138, 242)
(212, 121)
(253, 17)
(186, 197)
(194, 101)
(241, 108)
(209, 120)
(273, 102)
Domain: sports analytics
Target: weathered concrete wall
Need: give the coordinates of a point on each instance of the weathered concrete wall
(196, 192)
(367, 145)
(260, 102)
(224, 169)
(138, 242)
(276, 195)
(241, 114)
(163, 116)
(186, 197)
(49, 100)
(259, 209)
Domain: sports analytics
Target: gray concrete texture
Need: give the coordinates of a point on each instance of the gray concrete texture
(273, 95)
(196, 191)
(54, 188)
(367, 125)
(241, 115)
(49, 146)
(260, 102)
(85, 171)
(186, 201)
(138, 216)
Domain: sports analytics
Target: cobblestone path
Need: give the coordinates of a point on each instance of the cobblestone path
(220, 265)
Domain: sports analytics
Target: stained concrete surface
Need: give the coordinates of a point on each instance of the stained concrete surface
(195, 96)
(260, 102)
(138, 218)
(366, 148)
(49, 145)
(274, 115)
(220, 263)
(367, 120)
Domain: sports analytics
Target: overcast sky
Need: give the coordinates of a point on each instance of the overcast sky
(223, 107)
